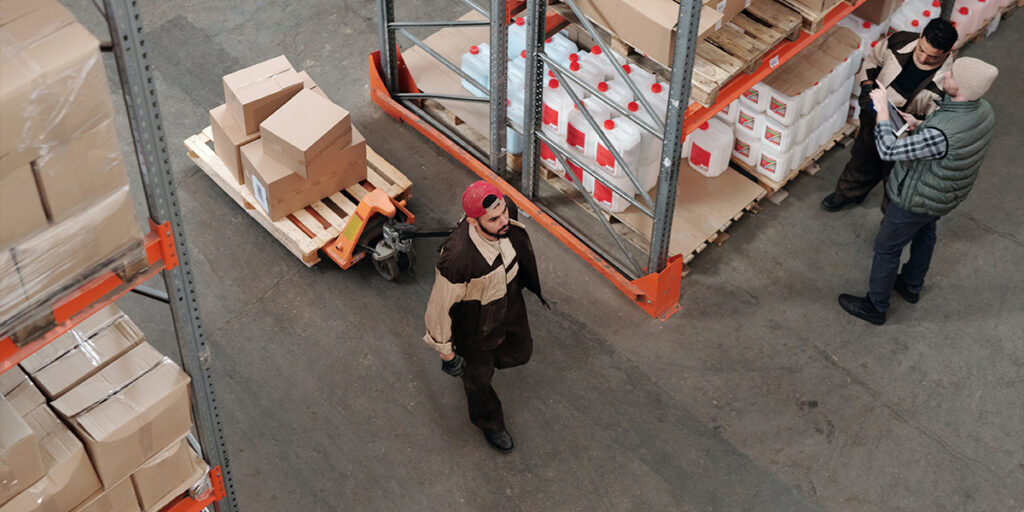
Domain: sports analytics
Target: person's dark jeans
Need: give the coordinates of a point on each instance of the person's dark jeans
(899, 228)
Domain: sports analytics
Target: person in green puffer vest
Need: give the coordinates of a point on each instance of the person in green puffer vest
(935, 169)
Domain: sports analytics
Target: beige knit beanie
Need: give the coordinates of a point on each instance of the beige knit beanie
(973, 76)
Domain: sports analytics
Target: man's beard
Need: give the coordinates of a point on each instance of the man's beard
(497, 235)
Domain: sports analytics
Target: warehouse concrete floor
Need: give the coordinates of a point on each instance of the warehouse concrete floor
(761, 394)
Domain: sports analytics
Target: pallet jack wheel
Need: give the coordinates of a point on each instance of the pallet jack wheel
(407, 259)
(387, 268)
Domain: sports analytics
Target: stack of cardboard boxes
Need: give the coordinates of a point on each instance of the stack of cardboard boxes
(283, 139)
(65, 207)
(96, 421)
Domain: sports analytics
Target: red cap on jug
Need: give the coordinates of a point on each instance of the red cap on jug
(965, 11)
(596, 50)
(575, 66)
(574, 57)
(632, 106)
(873, 43)
(603, 86)
(704, 125)
(914, 23)
(926, 13)
(655, 88)
(627, 69)
(867, 24)
(520, 21)
(522, 54)
(553, 83)
(609, 124)
(551, 73)
(474, 49)
(936, 3)
(548, 40)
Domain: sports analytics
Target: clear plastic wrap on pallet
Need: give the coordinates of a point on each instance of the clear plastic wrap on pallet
(34, 272)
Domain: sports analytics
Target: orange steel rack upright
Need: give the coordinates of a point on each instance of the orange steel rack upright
(655, 287)
(166, 254)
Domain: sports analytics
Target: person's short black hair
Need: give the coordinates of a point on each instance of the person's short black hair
(941, 34)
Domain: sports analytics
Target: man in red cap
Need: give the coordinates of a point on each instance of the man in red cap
(476, 316)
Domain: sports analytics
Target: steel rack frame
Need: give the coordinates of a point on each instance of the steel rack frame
(166, 253)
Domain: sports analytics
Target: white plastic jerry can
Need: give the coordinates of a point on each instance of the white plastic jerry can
(515, 113)
(640, 76)
(516, 37)
(749, 121)
(730, 112)
(555, 109)
(774, 164)
(586, 74)
(625, 138)
(710, 148)
(756, 97)
(477, 63)
(580, 135)
(597, 58)
(616, 91)
(558, 47)
(778, 136)
(547, 157)
(607, 198)
(650, 150)
(746, 149)
(517, 72)
(784, 108)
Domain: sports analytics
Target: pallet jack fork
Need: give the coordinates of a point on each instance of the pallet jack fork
(378, 227)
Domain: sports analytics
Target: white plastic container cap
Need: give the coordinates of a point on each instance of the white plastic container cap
(477, 63)
(710, 149)
(625, 138)
(616, 91)
(516, 37)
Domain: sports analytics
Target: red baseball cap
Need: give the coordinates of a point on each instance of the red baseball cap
(473, 198)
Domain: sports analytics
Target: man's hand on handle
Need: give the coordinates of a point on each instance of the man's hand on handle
(452, 364)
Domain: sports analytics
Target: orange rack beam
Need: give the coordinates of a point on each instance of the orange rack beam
(96, 294)
(698, 114)
(189, 504)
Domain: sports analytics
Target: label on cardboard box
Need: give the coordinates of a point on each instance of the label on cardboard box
(260, 193)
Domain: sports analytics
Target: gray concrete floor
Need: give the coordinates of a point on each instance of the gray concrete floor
(761, 394)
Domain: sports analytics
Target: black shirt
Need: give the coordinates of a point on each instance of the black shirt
(908, 81)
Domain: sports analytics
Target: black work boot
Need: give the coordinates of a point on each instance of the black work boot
(901, 288)
(861, 307)
(500, 440)
(835, 202)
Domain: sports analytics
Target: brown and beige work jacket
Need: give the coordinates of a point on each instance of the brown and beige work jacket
(885, 62)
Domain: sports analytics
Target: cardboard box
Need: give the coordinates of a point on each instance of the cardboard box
(119, 498)
(647, 25)
(129, 411)
(310, 85)
(83, 357)
(279, 191)
(83, 331)
(54, 83)
(21, 210)
(818, 5)
(253, 93)
(12, 293)
(877, 11)
(69, 477)
(167, 475)
(228, 139)
(25, 397)
(77, 174)
(64, 253)
(11, 379)
(729, 9)
(21, 464)
(301, 133)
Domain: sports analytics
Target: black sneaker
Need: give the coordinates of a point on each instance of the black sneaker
(501, 441)
(861, 307)
(834, 202)
(901, 288)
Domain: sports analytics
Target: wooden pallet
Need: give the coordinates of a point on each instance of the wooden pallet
(812, 20)
(305, 231)
(35, 316)
(809, 166)
(470, 134)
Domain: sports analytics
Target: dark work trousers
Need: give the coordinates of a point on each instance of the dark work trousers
(484, 405)
(865, 168)
(899, 228)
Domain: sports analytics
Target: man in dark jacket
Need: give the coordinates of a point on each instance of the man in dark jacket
(909, 66)
(935, 170)
(476, 315)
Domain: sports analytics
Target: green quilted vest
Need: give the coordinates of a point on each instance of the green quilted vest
(936, 187)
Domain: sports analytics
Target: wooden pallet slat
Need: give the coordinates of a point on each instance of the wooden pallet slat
(302, 232)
